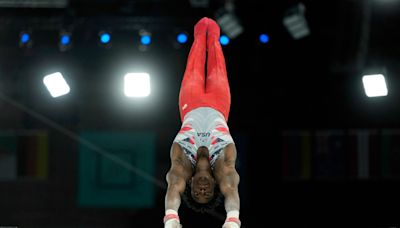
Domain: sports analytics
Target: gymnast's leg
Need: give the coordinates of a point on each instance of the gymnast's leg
(193, 83)
(217, 84)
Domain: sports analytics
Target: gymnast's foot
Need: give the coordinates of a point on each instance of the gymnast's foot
(213, 31)
(200, 29)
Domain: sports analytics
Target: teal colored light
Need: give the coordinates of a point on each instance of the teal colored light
(182, 38)
(105, 38)
(145, 40)
(224, 40)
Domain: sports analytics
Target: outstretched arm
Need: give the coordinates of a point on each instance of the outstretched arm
(229, 188)
(228, 179)
(176, 177)
(176, 186)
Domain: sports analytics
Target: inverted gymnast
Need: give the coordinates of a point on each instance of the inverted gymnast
(203, 155)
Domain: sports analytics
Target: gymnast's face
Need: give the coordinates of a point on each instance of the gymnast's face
(202, 188)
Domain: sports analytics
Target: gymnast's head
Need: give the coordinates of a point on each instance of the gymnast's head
(202, 193)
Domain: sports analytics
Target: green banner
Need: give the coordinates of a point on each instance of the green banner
(104, 182)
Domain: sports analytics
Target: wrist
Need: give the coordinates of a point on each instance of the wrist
(233, 216)
(171, 214)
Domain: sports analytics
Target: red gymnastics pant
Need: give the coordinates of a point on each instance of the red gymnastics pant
(199, 90)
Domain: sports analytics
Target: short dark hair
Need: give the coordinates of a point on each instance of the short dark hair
(202, 207)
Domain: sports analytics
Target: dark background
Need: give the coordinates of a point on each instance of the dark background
(309, 84)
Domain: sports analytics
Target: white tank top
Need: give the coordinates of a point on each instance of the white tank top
(203, 127)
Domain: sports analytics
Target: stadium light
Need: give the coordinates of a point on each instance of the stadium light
(137, 85)
(145, 39)
(56, 84)
(182, 38)
(25, 39)
(375, 85)
(105, 39)
(224, 40)
(229, 23)
(296, 22)
(65, 41)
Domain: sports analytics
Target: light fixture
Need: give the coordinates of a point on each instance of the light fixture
(145, 39)
(229, 23)
(65, 41)
(56, 84)
(264, 38)
(296, 22)
(224, 40)
(25, 39)
(199, 3)
(375, 85)
(182, 38)
(105, 39)
(137, 85)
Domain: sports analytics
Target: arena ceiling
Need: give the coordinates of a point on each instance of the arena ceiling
(313, 81)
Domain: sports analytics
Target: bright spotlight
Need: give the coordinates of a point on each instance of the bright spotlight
(56, 84)
(224, 40)
(137, 85)
(375, 85)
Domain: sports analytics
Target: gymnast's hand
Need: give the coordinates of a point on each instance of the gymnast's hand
(172, 223)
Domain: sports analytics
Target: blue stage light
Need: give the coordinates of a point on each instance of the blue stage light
(105, 38)
(182, 38)
(264, 38)
(224, 40)
(145, 40)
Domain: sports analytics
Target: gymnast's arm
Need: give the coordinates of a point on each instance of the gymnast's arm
(180, 171)
(228, 179)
